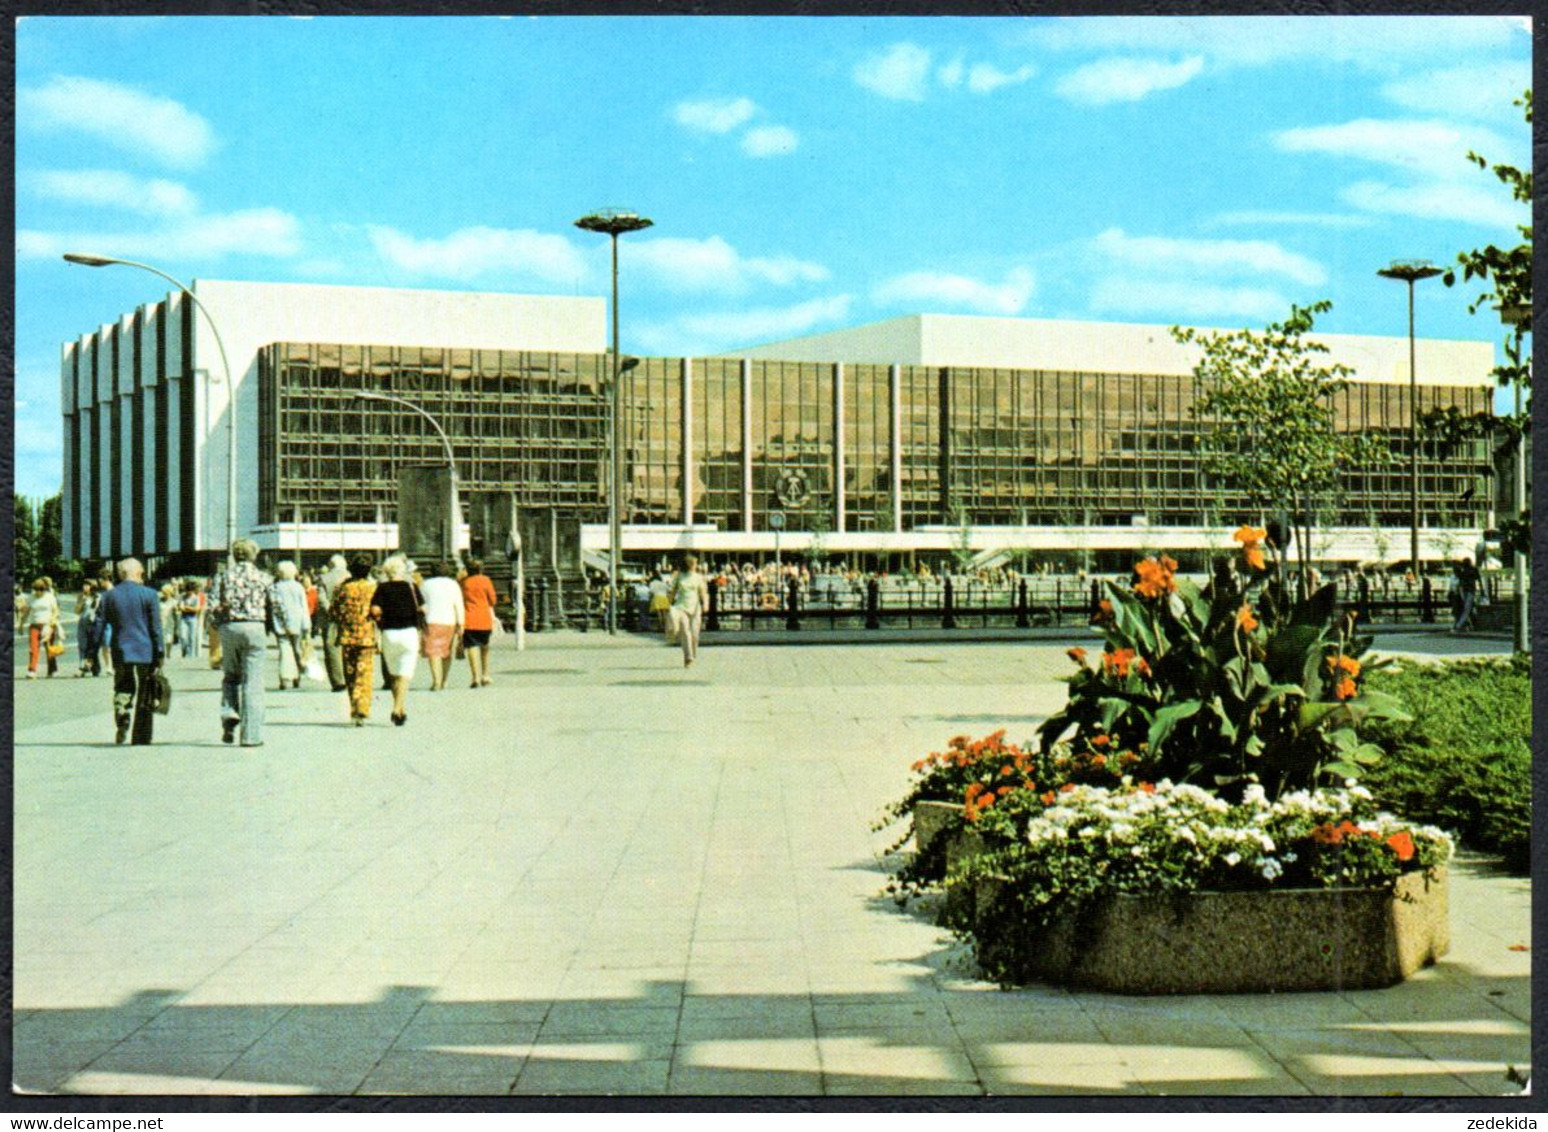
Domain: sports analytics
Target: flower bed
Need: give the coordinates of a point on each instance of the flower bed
(1197, 793)
(1169, 888)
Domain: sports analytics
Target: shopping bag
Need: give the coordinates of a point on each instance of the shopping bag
(160, 694)
(315, 671)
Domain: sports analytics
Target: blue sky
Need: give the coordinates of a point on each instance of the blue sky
(804, 174)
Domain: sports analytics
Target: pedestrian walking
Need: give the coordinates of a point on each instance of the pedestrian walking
(445, 617)
(239, 608)
(660, 600)
(133, 610)
(290, 622)
(189, 605)
(1466, 579)
(690, 596)
(354, 633)
(478, 598)
(329, 584)
(86, 640)
(43, 630)
(398, 611)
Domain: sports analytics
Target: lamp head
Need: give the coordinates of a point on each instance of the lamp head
(613, 221)
(626, 364)
(1410, 270)
(89, 260)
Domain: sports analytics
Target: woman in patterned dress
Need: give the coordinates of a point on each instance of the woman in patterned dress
(351, 613)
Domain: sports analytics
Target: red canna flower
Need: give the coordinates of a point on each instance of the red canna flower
(1403, 845)
(1245, 619)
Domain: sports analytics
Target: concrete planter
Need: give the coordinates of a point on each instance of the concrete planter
(932, 820)
(1236, 942)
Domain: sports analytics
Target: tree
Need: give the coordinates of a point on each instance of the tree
(51, 560)
(24, 542)
(1268, 425)
(1507, 274)
(962, 552)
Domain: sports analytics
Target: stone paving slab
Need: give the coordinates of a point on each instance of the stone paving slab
(609, 874)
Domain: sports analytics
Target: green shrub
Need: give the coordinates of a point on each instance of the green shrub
(1464, 762)
(1226, 686)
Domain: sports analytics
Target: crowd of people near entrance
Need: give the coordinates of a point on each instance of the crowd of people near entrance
(357, 618)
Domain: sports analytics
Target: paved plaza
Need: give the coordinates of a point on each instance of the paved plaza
(608, 873)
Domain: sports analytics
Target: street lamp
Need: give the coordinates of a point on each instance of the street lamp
(454, 518)
(1411, 271)
(1519, 317)
(231, 419)
(614, 222)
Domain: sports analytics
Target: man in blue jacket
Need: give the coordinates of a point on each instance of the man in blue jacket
(134, 612)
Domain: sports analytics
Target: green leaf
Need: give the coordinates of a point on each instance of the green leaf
(1168, 718)
(1287, 651)
(1342, 769)
(1314, 713)
(1382, 705)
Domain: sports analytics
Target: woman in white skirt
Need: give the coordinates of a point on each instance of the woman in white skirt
(396, 607)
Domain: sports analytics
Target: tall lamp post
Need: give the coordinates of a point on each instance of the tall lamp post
(1520, 319)
(454, 516)
(614, 222)
(1411, 271)
(231, 419)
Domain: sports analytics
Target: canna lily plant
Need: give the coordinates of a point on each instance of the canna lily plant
(1227, 685)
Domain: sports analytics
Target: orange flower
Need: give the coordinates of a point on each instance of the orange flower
(1048, 798)
(1100, 741)
(1099, 761)
(1244, 618)
(1403, 845)
(1155, 577)
(1345, 689)
(974, 790)
(1147, 787)
(1248, 535)
(1349, 664)
(1104, 610)
(1007, 771)
(1253, 555)
(1117, 662)
(1066, 788)
(1078, 655)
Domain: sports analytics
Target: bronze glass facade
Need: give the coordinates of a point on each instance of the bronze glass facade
(727, 442)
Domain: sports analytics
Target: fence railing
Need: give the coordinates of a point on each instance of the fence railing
(958, 603)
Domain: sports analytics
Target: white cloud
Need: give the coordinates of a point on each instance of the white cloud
(949, 75)
(1371, 42)
(470, 253)
(253, 231)
(110, 188)
(714, 116)
(926, 289)
(770, 141)
(985, 78)
(1440, 200)
(1426, 147)
(902, 72)
(1216, 257)
(681, 264)
(1186, 299)
(122, 116)
(1267, 217)
(1483, 90)
(1125, 79)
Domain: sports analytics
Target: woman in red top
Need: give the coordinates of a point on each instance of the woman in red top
(478, 597)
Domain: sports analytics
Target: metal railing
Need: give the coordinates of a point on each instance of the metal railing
(1040, 601)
